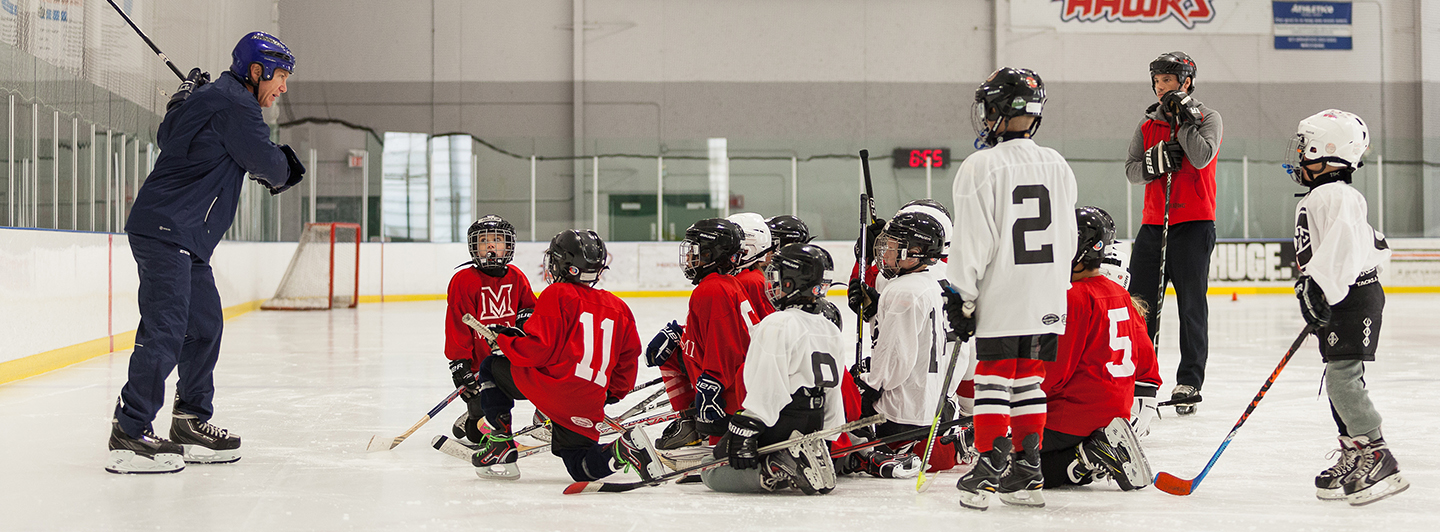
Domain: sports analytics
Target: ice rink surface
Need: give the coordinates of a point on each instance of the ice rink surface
(306, 390)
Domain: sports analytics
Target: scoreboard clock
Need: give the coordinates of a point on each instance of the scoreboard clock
(915, 157)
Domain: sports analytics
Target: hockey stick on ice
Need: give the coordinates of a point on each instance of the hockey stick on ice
(382, 443)
(619, 487)
(147, 40)
(1186, 401)
(1173, 485)
(921, 483)
(450, 446)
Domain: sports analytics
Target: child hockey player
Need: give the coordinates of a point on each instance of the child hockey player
(755, 250)
(1090, 387)
(581, 354)
(791, 376)
(1338, 255)
(494, 292)
(903, 381)
(1014, 226)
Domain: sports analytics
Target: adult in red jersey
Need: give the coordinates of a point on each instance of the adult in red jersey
(494, 292)
(1091, 385)
(755, 248)
(1175, 147)
(580, 354)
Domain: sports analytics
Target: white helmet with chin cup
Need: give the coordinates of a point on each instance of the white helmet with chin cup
(1331, 136)
(757, 236)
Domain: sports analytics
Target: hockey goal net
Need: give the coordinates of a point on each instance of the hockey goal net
(324, 273)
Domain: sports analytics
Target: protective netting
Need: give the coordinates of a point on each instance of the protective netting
(323, 272)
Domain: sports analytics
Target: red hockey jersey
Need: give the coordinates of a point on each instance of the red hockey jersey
(717, 335)
(753, 281)
(492, 300)
(1103, 352)
(582, 346)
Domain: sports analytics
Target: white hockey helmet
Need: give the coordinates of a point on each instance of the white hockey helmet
(1331, 136)
(757, 237)
(1116, 265)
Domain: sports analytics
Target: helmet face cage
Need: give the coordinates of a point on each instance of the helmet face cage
(797, 275)
(482, 237)
(909, 235)
(711, 245)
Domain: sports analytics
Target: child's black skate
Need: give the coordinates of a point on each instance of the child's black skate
(982, 480)
(1330, 483)
(1376, 475)
(1022, 483)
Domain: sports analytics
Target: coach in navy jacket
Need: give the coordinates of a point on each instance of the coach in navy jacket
(213, 134)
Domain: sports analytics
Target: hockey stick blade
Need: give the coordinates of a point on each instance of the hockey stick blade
(384, 443)
(1186, 401)
(1174, 485)
(921, 483)
(621, 487)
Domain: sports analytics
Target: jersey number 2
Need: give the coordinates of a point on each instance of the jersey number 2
(1040, 222)
(587, 369)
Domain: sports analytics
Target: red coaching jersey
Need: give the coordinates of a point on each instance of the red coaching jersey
(1192, 190)
(753, 281)
(492, 300)
(582, 346)
(717, 335)
(1103, 351)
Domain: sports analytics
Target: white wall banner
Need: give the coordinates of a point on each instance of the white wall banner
(1142, 16)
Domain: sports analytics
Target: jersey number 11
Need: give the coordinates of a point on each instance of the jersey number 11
(587, 369)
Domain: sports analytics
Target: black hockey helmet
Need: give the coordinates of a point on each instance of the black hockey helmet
(576, 256)
(494, 229)
(796, 275)
(711, 245)
(928, 202)
(1097, 233)
(909, 235)
(1007, 93)
(1176, 63)
(787, 229)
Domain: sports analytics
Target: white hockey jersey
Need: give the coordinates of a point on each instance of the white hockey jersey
(1334, 243)
(1014, 237)
(789, 350)
(909, 358)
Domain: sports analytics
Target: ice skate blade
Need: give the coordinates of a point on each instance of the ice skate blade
(1030, 498)
(128, 463)
(498, 472)
(1333, 494)
(1392, 485)
(199, 454)
(979, 500)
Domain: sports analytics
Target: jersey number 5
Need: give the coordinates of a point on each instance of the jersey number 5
(1126, 366)
(1039, 222)
(587, 369)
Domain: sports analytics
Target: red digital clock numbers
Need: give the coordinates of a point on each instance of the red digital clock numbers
(916, 157)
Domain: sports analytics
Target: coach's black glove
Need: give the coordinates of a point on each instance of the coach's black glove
(513, 332)
(1180, 109)
(195, 80)
(664, 345)
(959, 312)
(522, 316)
(1162, 158)
(462, 375)
(297, 170)
(863, 299)
(743, 445)
(709, 406)
(1313, 306)
(868, 241)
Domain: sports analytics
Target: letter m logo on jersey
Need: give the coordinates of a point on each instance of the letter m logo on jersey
(496, 302)
(1186, 12)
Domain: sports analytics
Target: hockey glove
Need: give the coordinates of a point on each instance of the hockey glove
(1313, 306)
(462, 375)
(522, 316)
(960, 313)
(1142, 412)
(1162, 158)
(868, 396)
(709, 406)
(743, 447)
(513, 332)
(868, 241)
(1181, 109)
(195, 80)
(297, 170)
(863, 299)
(664, 345)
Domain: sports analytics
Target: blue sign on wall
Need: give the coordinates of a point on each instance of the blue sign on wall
(1312, 25)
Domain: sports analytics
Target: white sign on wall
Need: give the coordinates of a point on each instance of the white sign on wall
(1141, 16)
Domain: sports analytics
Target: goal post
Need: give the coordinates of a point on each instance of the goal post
(324, 273)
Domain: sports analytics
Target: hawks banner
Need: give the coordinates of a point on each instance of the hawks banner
(1141, 16)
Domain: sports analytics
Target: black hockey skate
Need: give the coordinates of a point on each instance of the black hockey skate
(634, 450)
(496, 456)
(982, 480)
(1022, 483)
(885, 463)
(1114, 451)
(806, 467)
(1376, 475)
(203, 443)
(679, 433)
(147, 454)
(1330, 483)
(1178, 397)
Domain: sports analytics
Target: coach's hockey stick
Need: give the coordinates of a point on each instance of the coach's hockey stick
(147, 40)
(382, 443)
(1173, 485)
(921, 483)
(1186, 401)
(619, 487)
